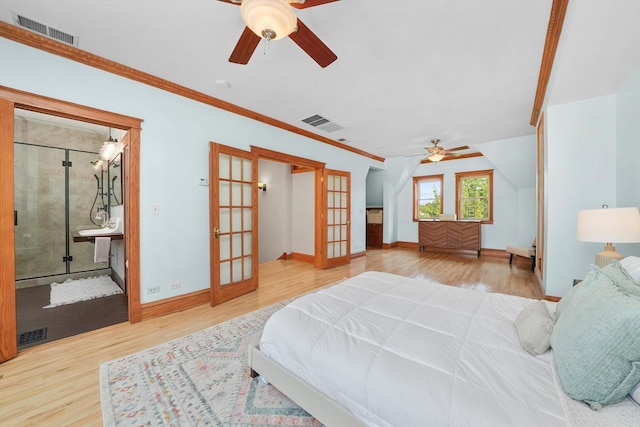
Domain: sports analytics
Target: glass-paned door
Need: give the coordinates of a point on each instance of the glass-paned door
(337, 195)
(233, 222)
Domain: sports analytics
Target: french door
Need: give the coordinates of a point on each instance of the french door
(233, 217)
(336, 231)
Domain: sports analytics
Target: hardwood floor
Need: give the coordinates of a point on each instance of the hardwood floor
(58, 383)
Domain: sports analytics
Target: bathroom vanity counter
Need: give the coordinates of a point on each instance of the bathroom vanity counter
(78, 238)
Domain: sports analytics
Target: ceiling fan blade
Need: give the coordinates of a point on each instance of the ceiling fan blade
(236, 2)
(463, 147)
(308, 3)
(244, 48)
(312, 45)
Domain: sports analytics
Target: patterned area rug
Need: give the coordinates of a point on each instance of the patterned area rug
(72, 291)
(201, 379)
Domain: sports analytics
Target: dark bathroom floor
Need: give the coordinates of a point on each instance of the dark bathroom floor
(66, 320)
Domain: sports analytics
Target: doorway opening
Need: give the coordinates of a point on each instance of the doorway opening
(12, 100)
(62, 186)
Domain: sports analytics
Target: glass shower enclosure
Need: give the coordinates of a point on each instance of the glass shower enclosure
(58, 190)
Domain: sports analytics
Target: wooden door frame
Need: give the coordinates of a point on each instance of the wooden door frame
(318, 169)
(10, 99)
(540, 208)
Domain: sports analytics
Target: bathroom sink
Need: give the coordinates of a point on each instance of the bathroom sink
(98, 231)
(115, 229)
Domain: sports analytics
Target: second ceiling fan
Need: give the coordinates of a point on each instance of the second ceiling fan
(437, 153)
(273, 20)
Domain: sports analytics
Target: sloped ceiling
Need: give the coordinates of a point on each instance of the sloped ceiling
(515, 158)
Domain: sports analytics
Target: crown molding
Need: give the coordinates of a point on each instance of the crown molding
(556, 20)
(37, 41)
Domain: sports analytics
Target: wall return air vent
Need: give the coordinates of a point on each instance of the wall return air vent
(45, 30)
(322, 123)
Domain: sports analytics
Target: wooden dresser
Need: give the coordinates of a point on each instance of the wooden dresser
(374, 235)
(458, 235)
(374, 227)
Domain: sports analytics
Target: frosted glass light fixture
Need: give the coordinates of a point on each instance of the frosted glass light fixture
(435, 158)
(616, 225)
(262, 186)
(269, 19)
(110, 149)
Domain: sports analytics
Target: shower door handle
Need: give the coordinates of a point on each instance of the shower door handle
(15, 217)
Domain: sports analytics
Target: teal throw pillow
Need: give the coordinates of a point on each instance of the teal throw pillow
(588, 282)
(596, 343)
(616, 272)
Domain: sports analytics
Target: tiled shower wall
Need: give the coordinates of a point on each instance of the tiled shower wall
(40, 196)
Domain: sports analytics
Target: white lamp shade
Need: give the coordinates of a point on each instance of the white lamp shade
(273, 15)
(615, 225)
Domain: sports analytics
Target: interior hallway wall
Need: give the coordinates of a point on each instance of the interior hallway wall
(274, 207)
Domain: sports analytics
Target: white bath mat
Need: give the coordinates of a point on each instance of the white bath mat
(71, 291)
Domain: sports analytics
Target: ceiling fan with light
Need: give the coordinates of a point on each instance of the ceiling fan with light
(273, 20)
(437, 153)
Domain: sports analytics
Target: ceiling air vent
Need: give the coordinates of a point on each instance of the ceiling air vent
(45, 30)
(322, 123)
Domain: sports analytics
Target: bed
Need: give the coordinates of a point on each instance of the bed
(380, 349)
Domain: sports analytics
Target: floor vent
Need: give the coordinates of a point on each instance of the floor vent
(45, 30)
(32, 336)
(322, 123)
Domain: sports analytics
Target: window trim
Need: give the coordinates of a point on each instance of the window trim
(488, 173)
(429, 178)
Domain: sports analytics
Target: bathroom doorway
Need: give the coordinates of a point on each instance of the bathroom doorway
(12, 99)
(62, 185)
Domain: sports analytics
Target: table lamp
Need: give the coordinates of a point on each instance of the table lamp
(615, 225)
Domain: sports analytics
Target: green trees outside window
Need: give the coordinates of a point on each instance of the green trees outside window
(427, 192)
(474, 195)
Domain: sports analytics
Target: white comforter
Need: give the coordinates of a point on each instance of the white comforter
(398, 351)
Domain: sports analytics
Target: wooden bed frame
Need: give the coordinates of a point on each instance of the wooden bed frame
(316, 403)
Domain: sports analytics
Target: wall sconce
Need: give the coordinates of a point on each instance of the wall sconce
(262, 186)
(99, 165)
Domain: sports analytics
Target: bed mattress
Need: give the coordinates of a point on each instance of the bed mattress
(400, 351)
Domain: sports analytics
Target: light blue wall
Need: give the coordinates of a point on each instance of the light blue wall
(375, 184)
(512, 207)
(628, 150)
(174, 245)
(581, 164)
(628, 137)
(592, 153)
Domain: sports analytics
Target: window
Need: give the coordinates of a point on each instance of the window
(427, 197)
(474, 195)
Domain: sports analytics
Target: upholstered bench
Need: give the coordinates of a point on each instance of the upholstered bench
(529, 252)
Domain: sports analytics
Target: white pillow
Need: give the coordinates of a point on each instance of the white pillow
(632, 265)
(534, 326)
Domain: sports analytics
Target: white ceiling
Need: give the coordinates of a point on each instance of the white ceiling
(408, 71)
